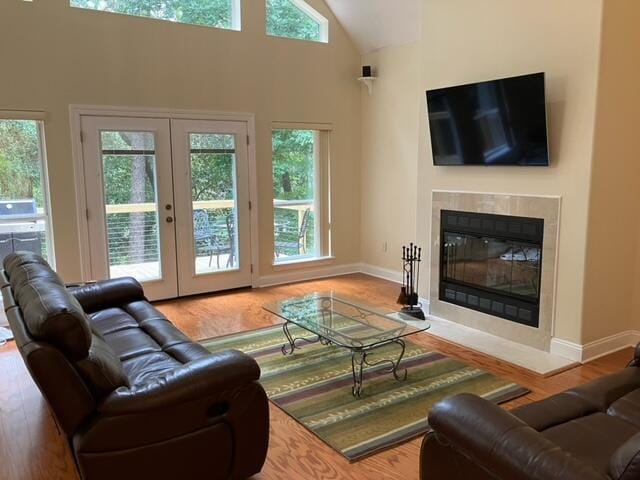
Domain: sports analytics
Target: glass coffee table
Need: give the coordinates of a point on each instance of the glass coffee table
(350, 324)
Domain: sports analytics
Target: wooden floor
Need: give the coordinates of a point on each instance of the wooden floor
(30, 447)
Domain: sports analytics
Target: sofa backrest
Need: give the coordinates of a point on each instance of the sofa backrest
(71, 364)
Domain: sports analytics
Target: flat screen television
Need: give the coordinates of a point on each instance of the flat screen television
(500, 122)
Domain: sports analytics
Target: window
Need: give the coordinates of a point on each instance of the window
(210, 13)
(296, 19)
(300, 194)
(24, 212)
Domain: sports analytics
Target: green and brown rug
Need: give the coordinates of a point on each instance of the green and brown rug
(314, 387)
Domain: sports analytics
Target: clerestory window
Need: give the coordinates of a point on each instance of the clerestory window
(209, 13)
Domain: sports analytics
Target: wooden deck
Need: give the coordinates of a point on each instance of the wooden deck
(144, 272)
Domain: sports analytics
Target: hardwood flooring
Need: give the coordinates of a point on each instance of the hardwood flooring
(31, 449)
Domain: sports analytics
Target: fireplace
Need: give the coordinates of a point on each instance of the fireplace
(492, 264)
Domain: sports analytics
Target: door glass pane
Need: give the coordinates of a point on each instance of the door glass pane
(130, 188)
(23, 210)
(213, 183)
(294, 195)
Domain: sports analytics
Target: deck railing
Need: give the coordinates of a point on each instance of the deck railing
(133, 238)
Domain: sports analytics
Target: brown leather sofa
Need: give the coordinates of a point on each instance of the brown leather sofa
(591, 432)
(134, 396)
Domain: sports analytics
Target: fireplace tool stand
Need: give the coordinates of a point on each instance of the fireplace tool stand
(411, 258)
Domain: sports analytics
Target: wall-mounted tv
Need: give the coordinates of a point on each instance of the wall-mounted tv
(500, 122)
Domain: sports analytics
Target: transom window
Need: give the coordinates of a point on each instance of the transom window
(210, 13)
(296, 19)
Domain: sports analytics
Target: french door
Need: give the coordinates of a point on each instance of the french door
(168, 203)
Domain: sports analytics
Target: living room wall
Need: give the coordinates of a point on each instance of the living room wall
(389, 152)
(53, 55)
(612, 274)
(467, 41)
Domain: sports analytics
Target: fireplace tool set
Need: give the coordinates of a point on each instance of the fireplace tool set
(411, 258)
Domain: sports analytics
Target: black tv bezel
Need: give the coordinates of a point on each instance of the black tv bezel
(483, 165)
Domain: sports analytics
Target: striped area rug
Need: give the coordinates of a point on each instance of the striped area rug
(314, 387)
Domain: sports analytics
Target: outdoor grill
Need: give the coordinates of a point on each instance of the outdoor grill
(17, 231)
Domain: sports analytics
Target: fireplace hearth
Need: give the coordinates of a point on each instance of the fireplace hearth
(492, 264)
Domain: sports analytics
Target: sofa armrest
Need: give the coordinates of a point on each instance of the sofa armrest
(502, 444)
(625, 462)
(107, 293)
(636, 357)
(201, 378)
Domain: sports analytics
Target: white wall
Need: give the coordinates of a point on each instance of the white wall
(468, 41)
(390, 155)
(53, 55)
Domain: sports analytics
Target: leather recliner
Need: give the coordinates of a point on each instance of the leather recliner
(133, 395)
(591, 432)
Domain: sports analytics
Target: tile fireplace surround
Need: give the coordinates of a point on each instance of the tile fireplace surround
(545, 207)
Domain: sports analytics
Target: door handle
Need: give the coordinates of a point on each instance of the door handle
(169, 219)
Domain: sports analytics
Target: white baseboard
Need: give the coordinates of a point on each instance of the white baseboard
(566, 349)
(303, 275)
(379, 272)
(596, 349)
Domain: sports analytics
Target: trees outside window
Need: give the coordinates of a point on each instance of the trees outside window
(24, 213)
(210, 13)
(299, 199)
(295, 19)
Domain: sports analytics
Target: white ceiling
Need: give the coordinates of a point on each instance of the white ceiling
(375, 24)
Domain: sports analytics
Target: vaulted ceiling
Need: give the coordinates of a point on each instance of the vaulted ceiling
(375, 24)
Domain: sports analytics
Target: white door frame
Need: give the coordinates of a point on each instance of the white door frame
(166, 285)
(190, 282)
(76, 112)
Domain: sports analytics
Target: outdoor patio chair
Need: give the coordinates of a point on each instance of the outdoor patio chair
(287, 240)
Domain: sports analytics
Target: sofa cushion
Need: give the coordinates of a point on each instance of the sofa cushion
(102, 369)
(50, 312)
(627, 408)
(143, 368)
(54, 316)
(593, 438)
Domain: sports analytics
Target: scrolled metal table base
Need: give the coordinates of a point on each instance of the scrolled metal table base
(358, 357)
(359, 361)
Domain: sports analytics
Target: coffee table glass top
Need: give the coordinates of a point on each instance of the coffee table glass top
(345, 321)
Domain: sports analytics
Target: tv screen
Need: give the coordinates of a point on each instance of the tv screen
(501, 122)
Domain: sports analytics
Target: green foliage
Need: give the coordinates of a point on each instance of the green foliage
(285, 19)
(20, 165)
(212, 13)
(293, 164)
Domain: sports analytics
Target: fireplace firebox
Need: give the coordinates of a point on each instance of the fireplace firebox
(492, 264)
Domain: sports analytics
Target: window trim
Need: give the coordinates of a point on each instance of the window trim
(322, 198)
(307, 9)
(38, 117)
(236, 16)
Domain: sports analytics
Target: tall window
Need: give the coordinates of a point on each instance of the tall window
(296, 19)
(24, 212)
(210, 13)
(300, 194)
